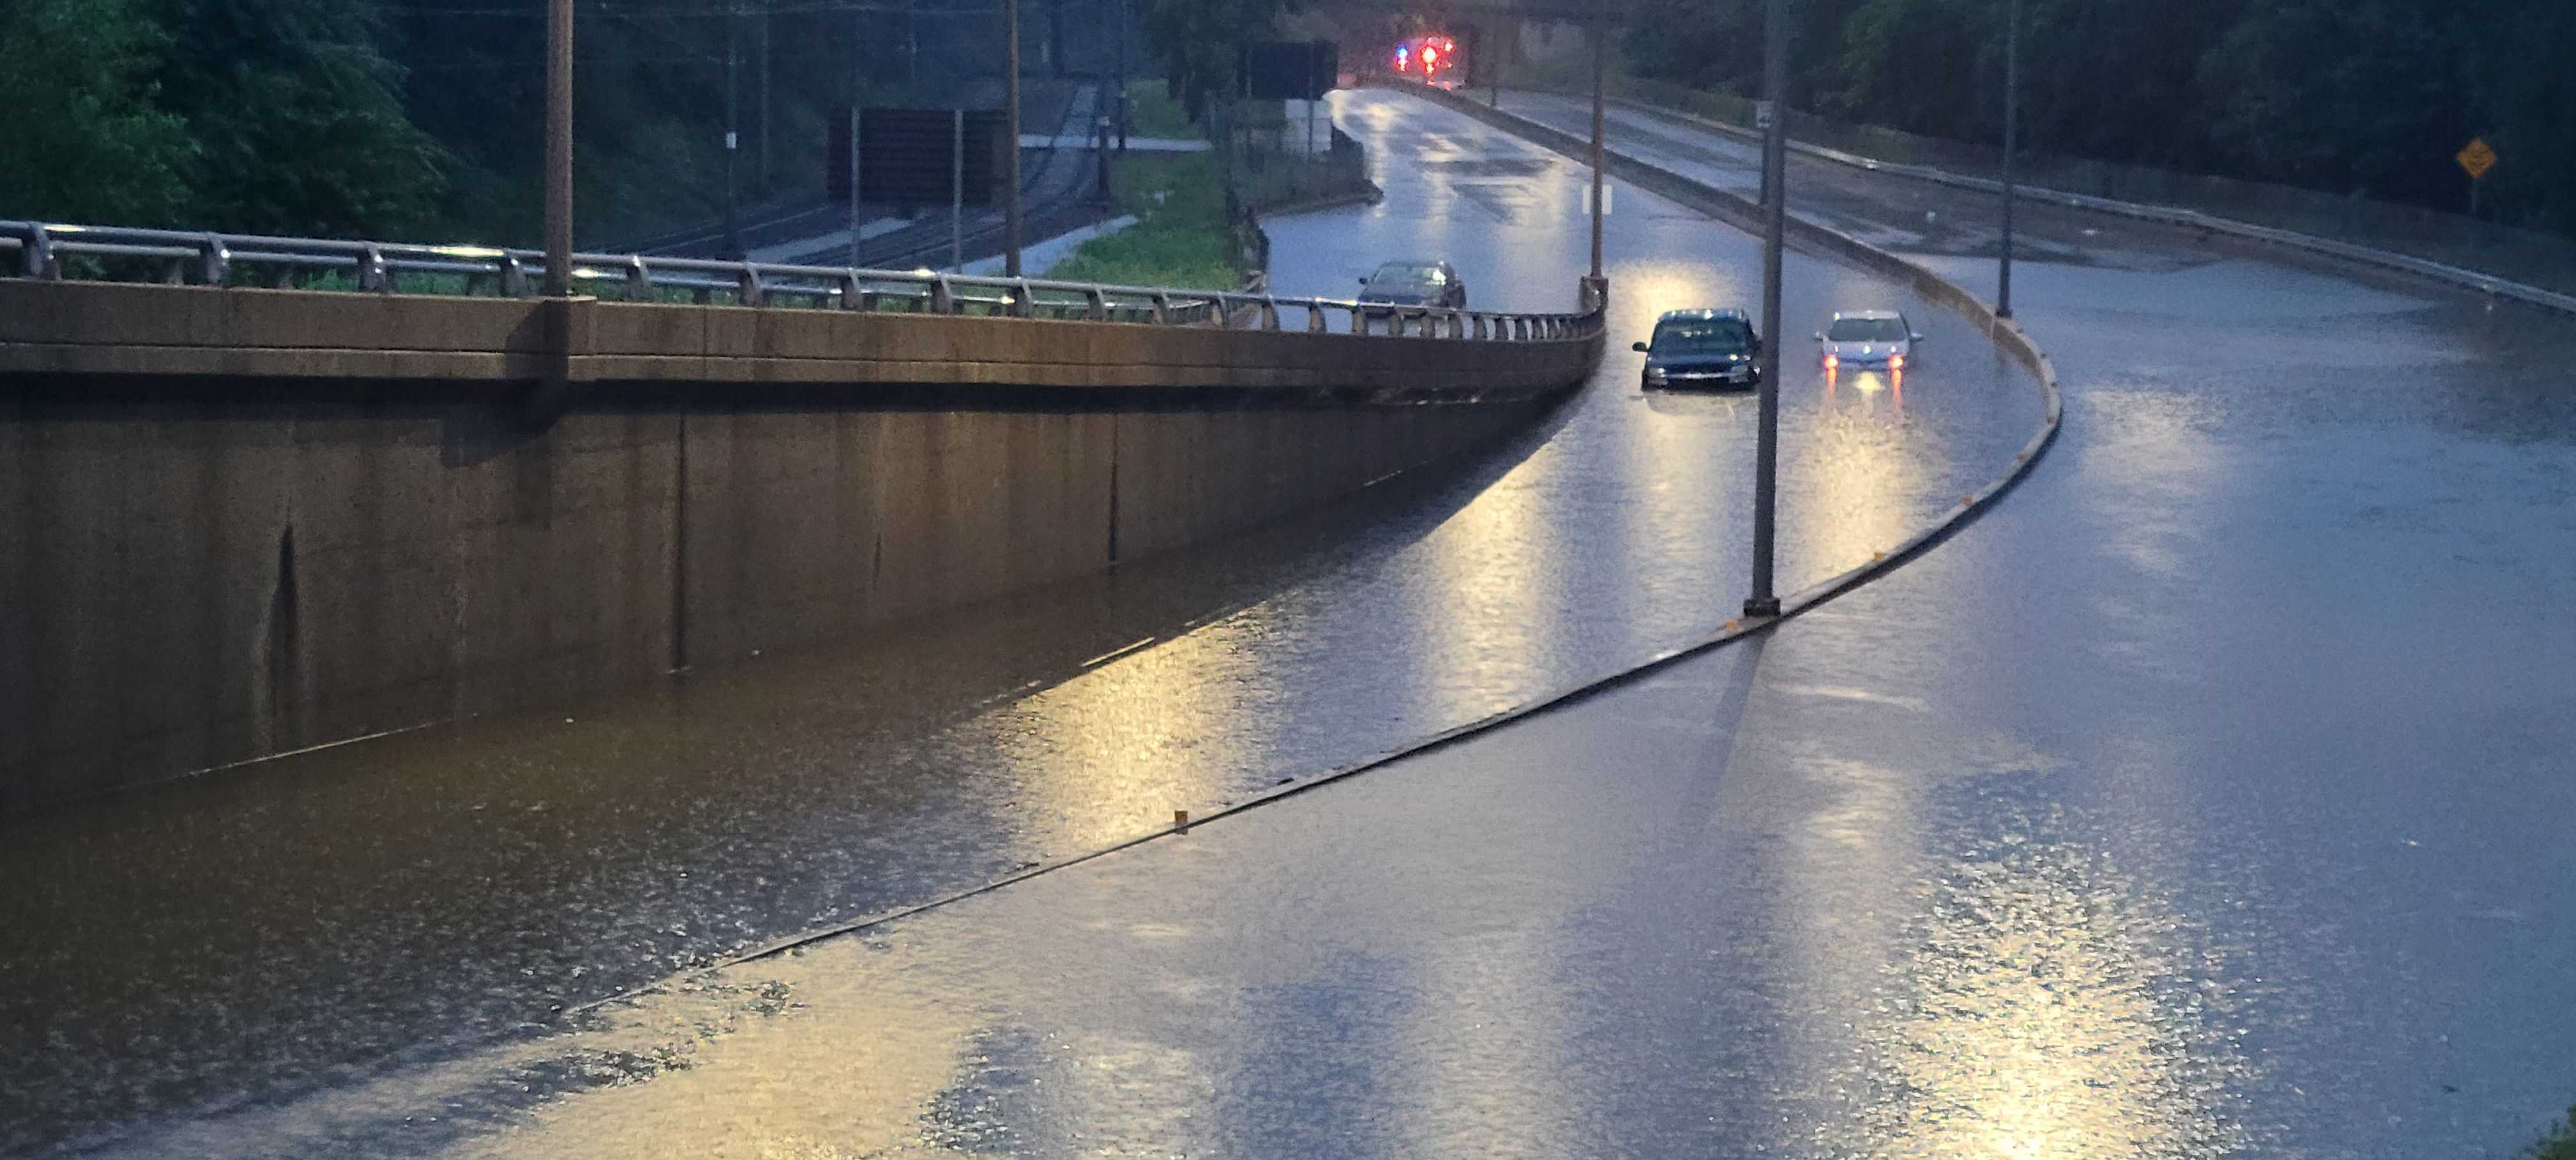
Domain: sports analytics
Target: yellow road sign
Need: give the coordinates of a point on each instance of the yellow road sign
(2477, 158)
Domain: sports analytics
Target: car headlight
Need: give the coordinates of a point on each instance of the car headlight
(1654, 374)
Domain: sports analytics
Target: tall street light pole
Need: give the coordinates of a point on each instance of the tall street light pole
(733, 127)
(1600, 55)
(2012, 117)
(559, 149)
(1775, 223)
(1011, 134)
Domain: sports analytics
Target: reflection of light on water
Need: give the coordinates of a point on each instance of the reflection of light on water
(2041, 1014)
(1485, 614)
(735, 1083)
(1111, 753)
(1845, 482)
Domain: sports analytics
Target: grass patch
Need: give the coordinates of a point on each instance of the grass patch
(1151, 112)
(1181, 237)
(2558, 1144)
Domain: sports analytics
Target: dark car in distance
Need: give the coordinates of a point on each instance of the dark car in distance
(1415, 283)
(1701, 348)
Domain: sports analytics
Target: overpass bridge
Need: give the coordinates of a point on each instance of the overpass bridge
(259, 520)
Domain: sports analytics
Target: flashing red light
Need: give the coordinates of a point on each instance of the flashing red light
(1430, 56)
(1896, 362)
(1831, 362)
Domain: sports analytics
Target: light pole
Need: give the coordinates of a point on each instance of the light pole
(2012, 116)
(1775, 222)
(559, 149)
(1600, 55)
(733, 126)
(1011, 137)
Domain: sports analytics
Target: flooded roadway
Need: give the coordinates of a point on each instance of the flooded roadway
(252, 961)
(2209, 797)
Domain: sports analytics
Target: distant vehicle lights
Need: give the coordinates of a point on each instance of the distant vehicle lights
(1427, 56)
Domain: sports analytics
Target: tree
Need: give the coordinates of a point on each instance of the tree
(2367, 95)
(299, 119)
(1198, 40)
(85, 141)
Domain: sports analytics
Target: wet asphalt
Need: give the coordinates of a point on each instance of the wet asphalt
(2207, 797)
(204, 965)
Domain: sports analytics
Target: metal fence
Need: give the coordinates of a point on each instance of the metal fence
(53, 252)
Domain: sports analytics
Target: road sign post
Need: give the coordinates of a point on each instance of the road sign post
(2476, 158)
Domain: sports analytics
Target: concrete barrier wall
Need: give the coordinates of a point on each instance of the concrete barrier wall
(201, 569)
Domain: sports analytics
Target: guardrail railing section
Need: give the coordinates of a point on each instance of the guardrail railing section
(55, 252)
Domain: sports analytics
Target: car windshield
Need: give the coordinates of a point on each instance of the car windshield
(1702, 336)
(1409, 273)
(1866, 330)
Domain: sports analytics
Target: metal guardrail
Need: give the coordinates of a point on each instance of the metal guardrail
(39, 250)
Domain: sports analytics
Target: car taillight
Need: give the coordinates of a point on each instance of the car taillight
(1831, 362)
(1896, 360)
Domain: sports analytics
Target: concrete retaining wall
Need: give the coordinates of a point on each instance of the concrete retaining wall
(199, 569)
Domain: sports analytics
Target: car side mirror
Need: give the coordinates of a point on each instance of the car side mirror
(1363, 281)
(1638, 347)
(1916, 338)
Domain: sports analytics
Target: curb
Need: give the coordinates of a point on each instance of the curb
(2389, 260)
(1368, 194)
(2004, 332)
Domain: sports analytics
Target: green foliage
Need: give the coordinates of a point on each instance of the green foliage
(299, 119)
(1181, 238)
(1151, 112)
(2369, 96)
(1198, 40)
(85, 141)
(2559, 1144)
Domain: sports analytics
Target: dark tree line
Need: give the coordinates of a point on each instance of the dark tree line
(421, 119)
(2368, 96)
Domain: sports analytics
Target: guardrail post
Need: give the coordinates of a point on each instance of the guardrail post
(1021, 306)
(1095, 305)
(514, 277)
(852, 297)
(214, 261)
(1484, 329)
(37, 260)
(1162, 309)
(371, 272)
(749, 292)
(1314, 318)
(943, 299)
(639, 280)
(1269, 314)
(1216, 312)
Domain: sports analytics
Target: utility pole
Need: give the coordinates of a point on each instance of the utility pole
(1600, 63)
(733, 127)
(765, 171)
(1774, 114)
(559, 149)
(2012, 115)
(1121, 111)
(859, 29)
(1011, 137)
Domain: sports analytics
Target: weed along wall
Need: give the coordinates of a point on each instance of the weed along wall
(203, 567)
